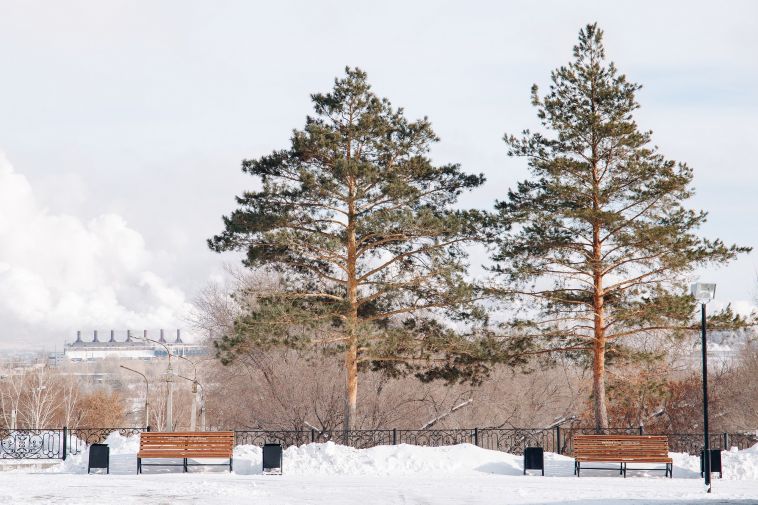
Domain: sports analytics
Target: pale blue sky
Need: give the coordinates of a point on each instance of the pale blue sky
(144, 109)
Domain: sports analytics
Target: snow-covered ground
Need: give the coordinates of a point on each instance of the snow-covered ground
(404, 474)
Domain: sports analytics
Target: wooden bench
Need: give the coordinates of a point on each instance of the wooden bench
(621, 449)
(185, 445)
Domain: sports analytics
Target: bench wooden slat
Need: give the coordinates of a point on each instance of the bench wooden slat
(186, 445)
(621, 449)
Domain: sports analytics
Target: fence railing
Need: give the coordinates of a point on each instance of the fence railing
(53, 443)
(57, 443)
(511, 440)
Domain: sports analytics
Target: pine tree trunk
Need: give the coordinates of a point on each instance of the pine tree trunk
(598, 383)
(598, 362)
(598, 299)
(351, 389)
(351, 351)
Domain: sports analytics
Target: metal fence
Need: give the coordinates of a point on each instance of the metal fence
(512, 440)
(57, 443)
(53, 443)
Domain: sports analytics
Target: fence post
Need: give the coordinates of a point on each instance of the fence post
(148, 428)
(642, 429)
(394, 436)
(65, 436)
(558, 447)
(726, 441)
(476, 437)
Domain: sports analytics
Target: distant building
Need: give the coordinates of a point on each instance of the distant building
(129, 348)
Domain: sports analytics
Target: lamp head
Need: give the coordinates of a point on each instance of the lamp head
(703, 292)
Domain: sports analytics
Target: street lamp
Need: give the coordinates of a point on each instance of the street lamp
(147, 395)
(704, 293)
(170, 399)
(193, 418)
(169, 377)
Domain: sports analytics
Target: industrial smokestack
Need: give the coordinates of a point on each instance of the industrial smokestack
(95, 337)
(162, 340)
(113, 337)
(144, 334)
(178, 337)
(79, 336)
(128, 335)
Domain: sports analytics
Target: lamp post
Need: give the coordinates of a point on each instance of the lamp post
(704, 293)
(147, 394)
(170, 398)
(169, 377)
(193, 420)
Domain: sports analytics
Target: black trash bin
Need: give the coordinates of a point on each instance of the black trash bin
(99, 457)
(272, 459)
(534, 459)
(715, 463)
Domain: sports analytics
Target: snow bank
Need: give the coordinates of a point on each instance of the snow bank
(737, 465)
(403, 460)
(332, 459)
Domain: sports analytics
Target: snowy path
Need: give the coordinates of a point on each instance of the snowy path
(224, 489)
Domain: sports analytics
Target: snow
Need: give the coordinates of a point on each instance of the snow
(338, 475)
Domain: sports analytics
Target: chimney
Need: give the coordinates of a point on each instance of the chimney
(95, 337)
(162, 340)
(113, 338)
(178, 337)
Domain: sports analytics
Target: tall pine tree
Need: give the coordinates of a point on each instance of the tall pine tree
(597, 243)
(358, 225)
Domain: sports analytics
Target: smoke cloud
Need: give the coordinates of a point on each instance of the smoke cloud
(59, 273)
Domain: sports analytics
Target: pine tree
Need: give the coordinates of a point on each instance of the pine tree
(597, 243)
(357, 223)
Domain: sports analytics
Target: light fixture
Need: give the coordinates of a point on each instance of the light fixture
(703, 292)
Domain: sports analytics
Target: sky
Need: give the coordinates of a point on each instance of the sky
(123, 124)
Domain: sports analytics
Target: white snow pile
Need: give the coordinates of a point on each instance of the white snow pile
(402, 460)
(332, 459)
(737, 465)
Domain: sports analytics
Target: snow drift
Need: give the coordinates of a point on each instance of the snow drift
(403, 460)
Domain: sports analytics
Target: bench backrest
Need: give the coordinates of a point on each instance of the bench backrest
(189, 443)
(621, 446)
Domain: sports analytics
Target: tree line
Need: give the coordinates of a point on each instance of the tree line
(362, 250)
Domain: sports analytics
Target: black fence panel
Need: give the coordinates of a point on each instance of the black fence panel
(261, 437)
(437, 438)
(515, 440)
(32, 444)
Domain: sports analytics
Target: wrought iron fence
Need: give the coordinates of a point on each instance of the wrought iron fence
(512, 440)
(56, 443)
(32, 444)
(53, 443)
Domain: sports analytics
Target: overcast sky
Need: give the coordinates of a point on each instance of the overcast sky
(123, 124)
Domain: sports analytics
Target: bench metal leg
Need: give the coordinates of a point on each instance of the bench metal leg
(139, 466)
(185, 465)
(230, 465)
